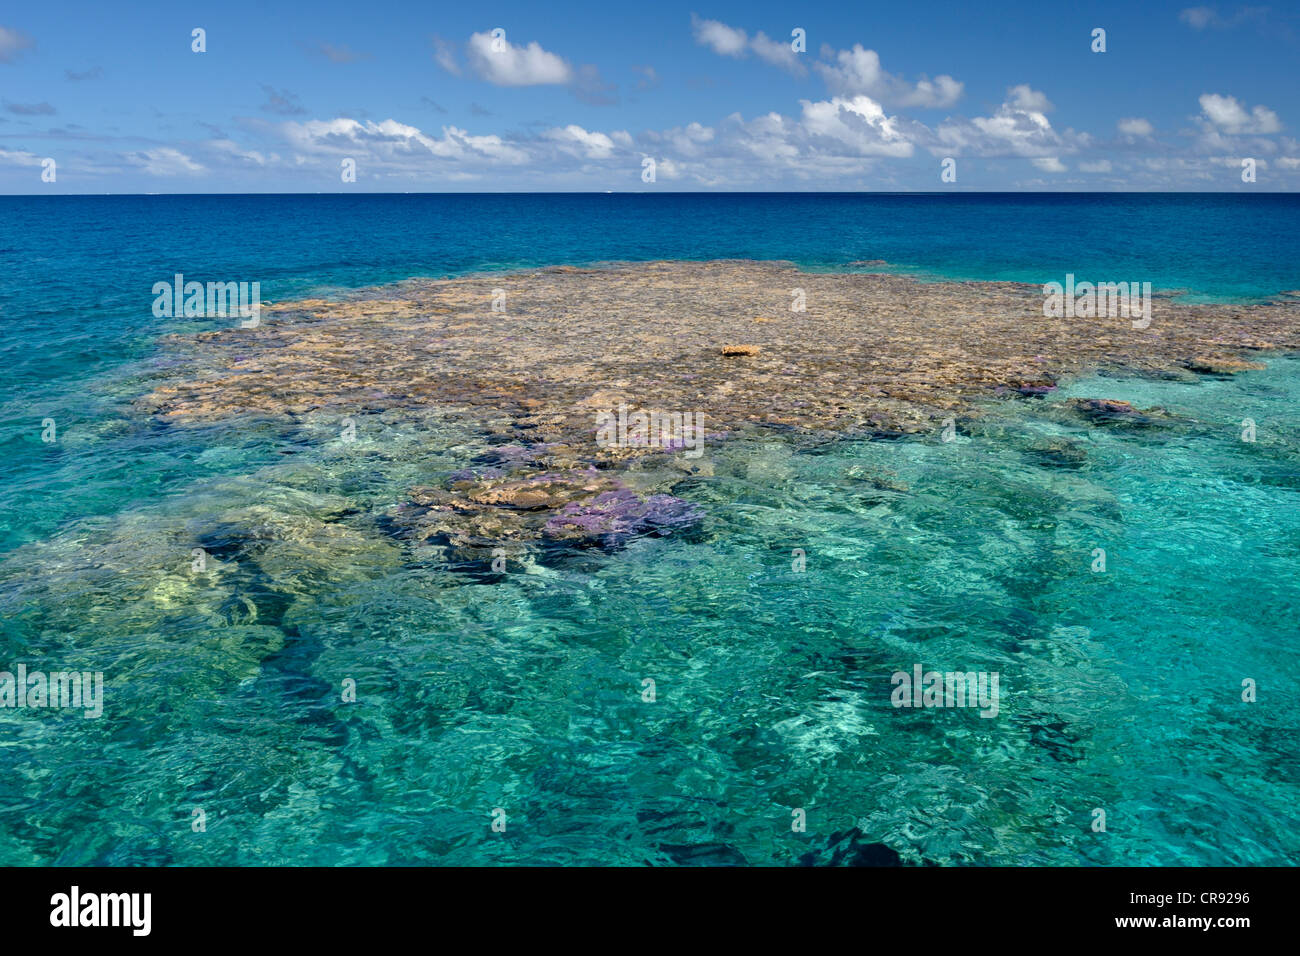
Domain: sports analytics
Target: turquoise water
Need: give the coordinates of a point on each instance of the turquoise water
(1120, 689)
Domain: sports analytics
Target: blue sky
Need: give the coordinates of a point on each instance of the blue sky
(577, 96)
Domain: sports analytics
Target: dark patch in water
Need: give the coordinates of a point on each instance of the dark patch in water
(1053, 736)
(850, 848)
(703, 854)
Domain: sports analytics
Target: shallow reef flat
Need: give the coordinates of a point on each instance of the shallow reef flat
(872, 351)
(874, 354)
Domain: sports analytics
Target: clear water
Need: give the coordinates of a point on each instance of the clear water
(1121, 690)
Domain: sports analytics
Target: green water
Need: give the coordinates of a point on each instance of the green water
(1121, 690)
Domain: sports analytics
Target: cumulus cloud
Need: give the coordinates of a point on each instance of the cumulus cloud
(12, 43)
(825, 140)
(1135, 126)
(166, 161)
(502, 63)
(1019, 127)
(858, 71)
(777, 52)
(770, 138)
(732, 41)
(837, 139)
(390, 143)
(690, 140)
(93, 73)
(828, 141)
(722, 39)
(577, 141)
(512, 65)
(1028, 100)
(859, 123)
(1227, 115)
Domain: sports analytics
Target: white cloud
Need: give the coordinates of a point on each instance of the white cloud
(768, 138)
(722, 39)
(778, 53)
(166, 161)
(859, 123)
(226, 147)
(689, 140)
(577, 141)
(1135, 126)
(1023, 98)
(391, 144)
(668, 169)
(445, 56)
(1019, 127)
(19, 157)
(516, 65)
(831, 140)
(1198, 18)
(834, 140)
(859, 71)
(1227, 115)
(12, 43)
(731, 41)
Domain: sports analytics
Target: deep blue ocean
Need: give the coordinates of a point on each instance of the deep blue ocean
(1123, 689)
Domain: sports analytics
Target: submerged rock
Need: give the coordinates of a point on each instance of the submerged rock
(480, 519)
(613, 517)
(1109, 411)
(1223, 365)
(1058, 453)
(540, 491)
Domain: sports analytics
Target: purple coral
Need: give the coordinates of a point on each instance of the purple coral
(611, 518)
